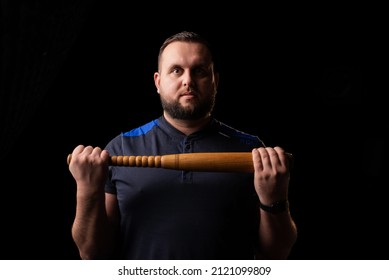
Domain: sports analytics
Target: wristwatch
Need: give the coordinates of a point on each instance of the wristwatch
(276, 207)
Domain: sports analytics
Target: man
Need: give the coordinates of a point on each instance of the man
(154, 213)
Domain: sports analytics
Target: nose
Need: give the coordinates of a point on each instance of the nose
(187, 79)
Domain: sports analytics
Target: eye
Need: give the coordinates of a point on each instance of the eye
(176, 70)
(201, 72)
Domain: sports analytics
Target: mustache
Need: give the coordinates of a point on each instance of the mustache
(187, 91)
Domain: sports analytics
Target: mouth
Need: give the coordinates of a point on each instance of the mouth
(188, 96)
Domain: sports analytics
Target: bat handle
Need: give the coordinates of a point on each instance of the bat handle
(131, 161)
(136, 161)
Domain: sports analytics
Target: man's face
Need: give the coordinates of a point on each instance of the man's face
(186, 81)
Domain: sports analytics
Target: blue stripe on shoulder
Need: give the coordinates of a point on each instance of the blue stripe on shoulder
(142, 129)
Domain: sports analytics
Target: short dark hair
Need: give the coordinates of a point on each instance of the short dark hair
(184, 36)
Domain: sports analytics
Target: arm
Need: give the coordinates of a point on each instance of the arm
(277, 231)
(96, 218)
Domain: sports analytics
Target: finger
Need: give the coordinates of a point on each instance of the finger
(98, 156)
(283, 157)
(257, 160)
(78, 149)
(265, 157)
(105, 155)
(76, 154)
(86, 151)
(274, 159)
(96, 152)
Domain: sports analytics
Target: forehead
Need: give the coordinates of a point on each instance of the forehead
(182, 53)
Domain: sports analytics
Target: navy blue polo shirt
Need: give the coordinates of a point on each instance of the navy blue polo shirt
(173, 214)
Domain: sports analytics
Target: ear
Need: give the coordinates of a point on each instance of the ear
(157, 80)
(217, 79)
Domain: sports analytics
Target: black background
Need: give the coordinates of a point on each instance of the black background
(310, 79)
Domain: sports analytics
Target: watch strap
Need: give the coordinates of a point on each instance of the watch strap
(276, 207)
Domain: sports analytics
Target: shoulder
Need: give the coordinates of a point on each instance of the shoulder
(231, 132)
(141, 130)
(132, 138)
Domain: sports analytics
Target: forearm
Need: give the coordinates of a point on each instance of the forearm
(277, 235)
(92, 231)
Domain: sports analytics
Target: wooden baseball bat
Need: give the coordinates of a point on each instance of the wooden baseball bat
(209, 162)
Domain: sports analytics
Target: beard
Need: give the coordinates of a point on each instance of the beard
(200, 110)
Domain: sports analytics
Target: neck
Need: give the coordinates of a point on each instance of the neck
(188, 126)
